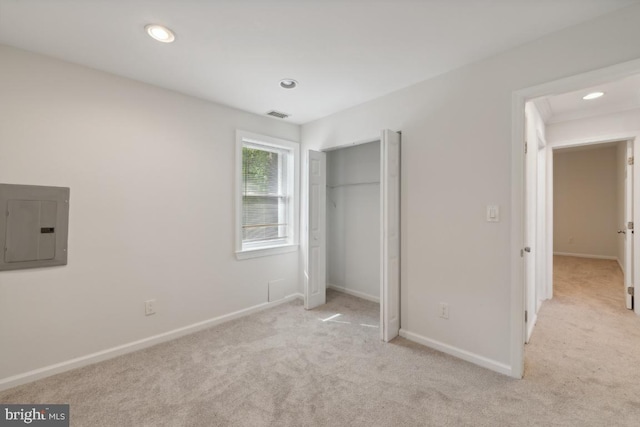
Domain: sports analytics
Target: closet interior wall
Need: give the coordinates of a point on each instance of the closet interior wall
(353, 220)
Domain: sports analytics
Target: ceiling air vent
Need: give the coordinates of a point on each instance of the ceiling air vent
(277, 114)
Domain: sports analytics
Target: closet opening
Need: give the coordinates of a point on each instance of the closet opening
(352, 228)
(353, 221)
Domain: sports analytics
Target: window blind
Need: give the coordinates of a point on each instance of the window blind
(265, 195)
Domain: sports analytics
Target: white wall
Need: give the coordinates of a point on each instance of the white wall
(456, 159)
(593, 128)
(585, 201)
(353, 220)
(151, 177)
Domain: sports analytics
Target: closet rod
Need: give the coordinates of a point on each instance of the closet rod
(354, 183)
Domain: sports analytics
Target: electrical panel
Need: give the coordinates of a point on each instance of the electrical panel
(34, 224)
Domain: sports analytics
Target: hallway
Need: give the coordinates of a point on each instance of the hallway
(585, 339)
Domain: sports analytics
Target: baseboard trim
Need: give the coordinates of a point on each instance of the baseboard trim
(459, 353)
(586, 256)
(620, 264)
(36, 374)
(354, 293)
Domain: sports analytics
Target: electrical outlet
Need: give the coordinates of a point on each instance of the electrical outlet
(444, 310)
(149, 307)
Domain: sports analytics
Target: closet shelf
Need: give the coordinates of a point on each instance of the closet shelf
(350, 184)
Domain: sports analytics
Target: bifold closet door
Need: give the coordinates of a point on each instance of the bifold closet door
(390, 234)
(315, 262)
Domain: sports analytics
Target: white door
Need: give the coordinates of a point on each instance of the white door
(530, 168)
(315, 272)
(541, 224)
(628, 240)
(390, 235)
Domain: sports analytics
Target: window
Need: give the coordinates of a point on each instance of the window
(267, 195)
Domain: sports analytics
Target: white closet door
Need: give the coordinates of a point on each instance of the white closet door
(628, 243)
(315, 274)
(390, 234)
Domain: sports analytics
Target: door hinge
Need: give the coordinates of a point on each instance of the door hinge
(630, 290)
(526, 147)
(526, 316)
(630, 225)
(630, 161)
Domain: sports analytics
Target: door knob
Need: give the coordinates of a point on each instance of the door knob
(622, 232)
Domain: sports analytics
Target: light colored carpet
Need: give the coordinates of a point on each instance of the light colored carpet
(286, 367)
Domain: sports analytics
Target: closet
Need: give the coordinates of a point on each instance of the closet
(351, 223)
(353, 220)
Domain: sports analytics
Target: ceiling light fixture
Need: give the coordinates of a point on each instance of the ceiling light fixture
(592, 95)
(288, 83)
(160, 33)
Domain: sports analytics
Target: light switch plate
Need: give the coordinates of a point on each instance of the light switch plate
(493, 213)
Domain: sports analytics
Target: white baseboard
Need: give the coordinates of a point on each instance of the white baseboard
(586, 256)
(36, 374)
(459, 353)
(354, 293)
(620, 264)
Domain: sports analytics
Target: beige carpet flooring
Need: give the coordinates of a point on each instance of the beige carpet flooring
(287, 367)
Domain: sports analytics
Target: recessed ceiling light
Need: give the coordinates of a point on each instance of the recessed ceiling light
(160, 33)
(593, 95)
(288, 83)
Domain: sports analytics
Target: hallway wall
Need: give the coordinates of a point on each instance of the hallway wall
(585, 201)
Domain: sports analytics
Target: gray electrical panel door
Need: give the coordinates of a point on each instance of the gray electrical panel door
(34, 226)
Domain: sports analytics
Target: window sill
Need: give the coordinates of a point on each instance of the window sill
(260, 252)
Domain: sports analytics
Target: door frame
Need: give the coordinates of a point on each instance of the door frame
(628, 137)
(518, 225)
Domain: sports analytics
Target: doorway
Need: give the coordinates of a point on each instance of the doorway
(592, 190)
(353, 220)
(363, 191)
(578, 203)
(532, 230)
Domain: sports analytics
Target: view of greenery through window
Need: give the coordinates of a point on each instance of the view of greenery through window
(264, 204)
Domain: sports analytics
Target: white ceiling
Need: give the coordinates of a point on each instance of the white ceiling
(619, 95)
(235, 52)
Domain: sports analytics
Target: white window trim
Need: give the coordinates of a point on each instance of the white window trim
(291, 245)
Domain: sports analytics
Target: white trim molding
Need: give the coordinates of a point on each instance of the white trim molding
(36, 374)
(476, 359)
(587, 256)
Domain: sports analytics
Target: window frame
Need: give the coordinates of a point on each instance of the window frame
(275, 246)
